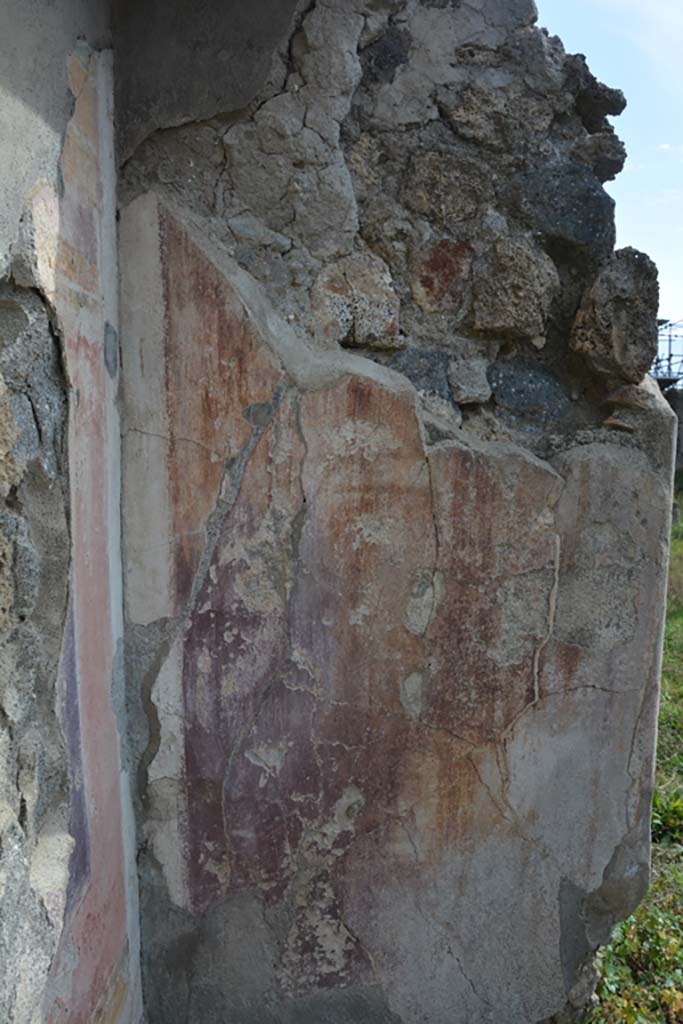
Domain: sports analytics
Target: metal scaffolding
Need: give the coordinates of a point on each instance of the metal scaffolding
(667, 368)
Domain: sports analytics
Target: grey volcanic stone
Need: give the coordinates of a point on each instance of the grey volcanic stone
(604, 153)
(513, 291)
(566, 203)
(467, 372)
(594, 100)
(427, 370)
(529, 390)
(616, 327)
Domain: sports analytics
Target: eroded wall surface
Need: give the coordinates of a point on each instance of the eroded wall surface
(396, 500)
(68, 891)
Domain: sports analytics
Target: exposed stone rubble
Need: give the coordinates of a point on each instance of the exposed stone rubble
(438, 169)
(356, 702)
(614, 327)
(35, 844)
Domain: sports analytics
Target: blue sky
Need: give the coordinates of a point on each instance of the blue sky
(635, 46)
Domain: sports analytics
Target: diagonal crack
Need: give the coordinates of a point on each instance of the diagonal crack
(229, 490)
(228, 493)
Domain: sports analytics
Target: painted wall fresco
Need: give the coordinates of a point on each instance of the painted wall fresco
(378, 673)
(70, 251)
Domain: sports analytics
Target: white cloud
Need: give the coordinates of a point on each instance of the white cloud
(665, 146)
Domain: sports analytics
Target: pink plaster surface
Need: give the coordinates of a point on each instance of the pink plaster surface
(92, 950)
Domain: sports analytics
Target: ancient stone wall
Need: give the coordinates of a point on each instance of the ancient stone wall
(348, 656)
(394, 599)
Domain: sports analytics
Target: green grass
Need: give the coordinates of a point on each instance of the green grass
(642, 971)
